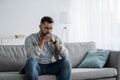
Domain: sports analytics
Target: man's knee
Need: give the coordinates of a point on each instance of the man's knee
(66, 63)
(31, 62)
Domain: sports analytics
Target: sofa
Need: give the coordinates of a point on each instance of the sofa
(13, 57)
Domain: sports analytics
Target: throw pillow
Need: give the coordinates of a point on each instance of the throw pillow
(95, 59)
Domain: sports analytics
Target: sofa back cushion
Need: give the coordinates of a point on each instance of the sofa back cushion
(12, 57)
(78, 50)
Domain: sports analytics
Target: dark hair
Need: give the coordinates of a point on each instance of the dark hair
(47, 19)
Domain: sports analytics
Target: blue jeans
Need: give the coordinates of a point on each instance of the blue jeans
(60, 68)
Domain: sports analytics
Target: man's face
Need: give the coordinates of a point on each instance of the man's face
(46, 28)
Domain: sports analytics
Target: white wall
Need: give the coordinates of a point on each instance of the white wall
(23, 16)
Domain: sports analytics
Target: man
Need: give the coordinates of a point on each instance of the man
(46, 54)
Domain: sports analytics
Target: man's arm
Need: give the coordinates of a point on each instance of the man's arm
(60, 48)
(31, 47)
(57, 46)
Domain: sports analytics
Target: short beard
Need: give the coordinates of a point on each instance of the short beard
(43, 34)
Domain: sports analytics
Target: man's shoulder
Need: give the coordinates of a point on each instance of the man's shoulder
(33, 35)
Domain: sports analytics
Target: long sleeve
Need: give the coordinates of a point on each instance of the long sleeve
(49, 52)
(31, 47)
(63, 52)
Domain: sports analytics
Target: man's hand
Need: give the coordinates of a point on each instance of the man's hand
(45, 39)
(52, 38)
(49, 37)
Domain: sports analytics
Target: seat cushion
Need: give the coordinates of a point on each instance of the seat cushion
(17, 76)
(77, 74)
(93, 73)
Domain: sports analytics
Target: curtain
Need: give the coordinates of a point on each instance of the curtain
(96, 20)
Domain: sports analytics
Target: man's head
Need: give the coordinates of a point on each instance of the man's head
(46, 25)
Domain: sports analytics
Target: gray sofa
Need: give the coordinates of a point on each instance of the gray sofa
(13, 57)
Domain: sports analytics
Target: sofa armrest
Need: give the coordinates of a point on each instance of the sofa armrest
(114, 62)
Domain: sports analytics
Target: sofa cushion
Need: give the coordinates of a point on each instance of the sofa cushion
(17, 76)
(77, 74)
(95, 59)
(78, 50)
(93, 73)
(12, 57)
